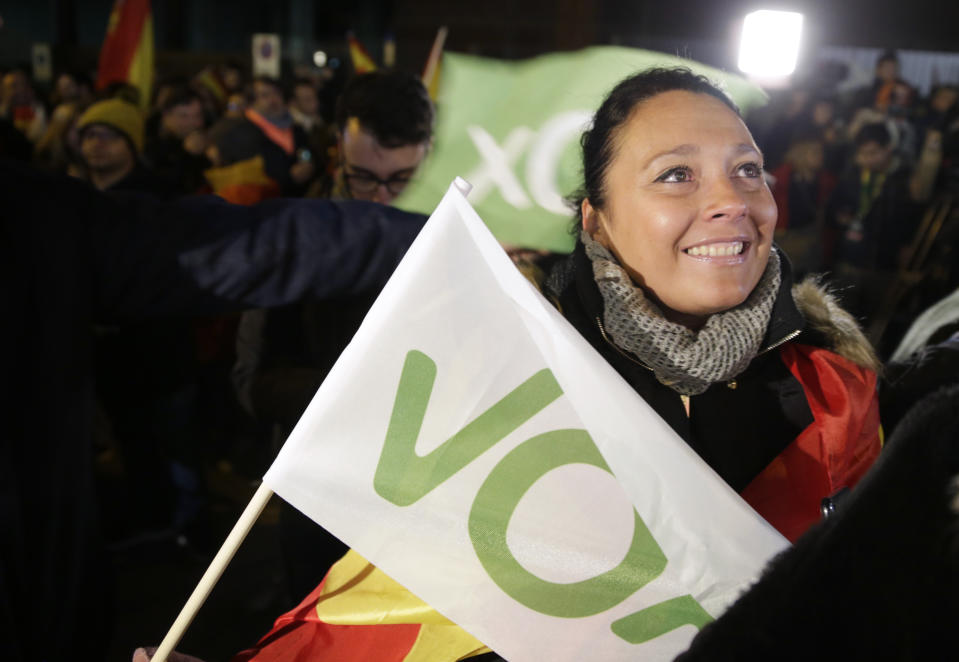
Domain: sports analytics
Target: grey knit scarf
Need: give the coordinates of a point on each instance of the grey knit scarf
(685, 360)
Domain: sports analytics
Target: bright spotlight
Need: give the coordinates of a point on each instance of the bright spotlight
(770, 43)
(319, 59)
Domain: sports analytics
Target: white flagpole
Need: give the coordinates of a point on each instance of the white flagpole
(213, 573)
(436, 52)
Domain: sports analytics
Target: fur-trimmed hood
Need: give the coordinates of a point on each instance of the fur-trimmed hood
(839, 330)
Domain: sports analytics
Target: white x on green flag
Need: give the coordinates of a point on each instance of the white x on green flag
(512, 129)
(476, 448)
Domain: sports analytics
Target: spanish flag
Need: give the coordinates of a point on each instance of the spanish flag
(243, 183)
(127, 51)
(362, 62)
(358, 614)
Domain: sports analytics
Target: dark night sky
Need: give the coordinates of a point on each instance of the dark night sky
(499, 28)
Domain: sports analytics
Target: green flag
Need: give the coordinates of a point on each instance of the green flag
(512, 130)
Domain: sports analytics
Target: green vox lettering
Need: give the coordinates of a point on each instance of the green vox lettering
(403, 477)
(493, 507)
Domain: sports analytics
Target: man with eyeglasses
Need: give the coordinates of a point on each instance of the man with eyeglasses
(384, 130)
(384, 123)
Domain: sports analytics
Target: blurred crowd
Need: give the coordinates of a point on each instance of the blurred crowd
(180, 398)
(864, 180)
(183, 141)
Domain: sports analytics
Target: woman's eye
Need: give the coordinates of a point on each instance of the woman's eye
(674, 175)
(750, 170)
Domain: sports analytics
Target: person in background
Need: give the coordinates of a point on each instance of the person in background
(887, 90)
(147, 381)
(891, 100)
(19, 104)
(823, 119)
(775, 124)
(938, 112)
(268, 131)
(304, 103)
(231, 73)
(874, 214)
(59, 149)
(111, 141)
(386, 127)
(236, 105)
(176, 152)
(801, 190)
(72, 87)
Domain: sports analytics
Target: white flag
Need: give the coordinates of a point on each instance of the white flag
(472, 445)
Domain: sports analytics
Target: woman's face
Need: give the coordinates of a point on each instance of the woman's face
(688, 213)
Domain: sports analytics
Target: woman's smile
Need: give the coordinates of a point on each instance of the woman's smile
(719, 248)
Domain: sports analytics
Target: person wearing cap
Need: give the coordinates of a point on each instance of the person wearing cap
(111, 141)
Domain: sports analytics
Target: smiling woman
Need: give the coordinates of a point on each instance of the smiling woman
(687, 213)
(676, 282)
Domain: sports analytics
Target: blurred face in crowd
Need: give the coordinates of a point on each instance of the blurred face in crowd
(235, 105)
(807, 157)
(67, 88)
(105, 150)
(305, 100)
(232, 78)
(944, 98)
(268, 100)
(688, 213)
(374, 172)
(16, 88)
(183, 119)
(822, 113)
(873, 157)
(887, 70)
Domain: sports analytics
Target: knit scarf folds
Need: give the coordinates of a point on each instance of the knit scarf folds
(687, 361)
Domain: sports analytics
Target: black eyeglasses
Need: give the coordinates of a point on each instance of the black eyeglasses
(367, 182)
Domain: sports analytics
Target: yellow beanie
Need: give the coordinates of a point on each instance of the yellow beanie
(116, 114)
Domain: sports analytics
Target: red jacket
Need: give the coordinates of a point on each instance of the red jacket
(833, 452)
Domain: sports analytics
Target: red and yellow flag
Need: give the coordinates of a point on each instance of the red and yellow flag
(211, 80)
(243, 183)
(127, 51)
(362, 62)
(358, 614)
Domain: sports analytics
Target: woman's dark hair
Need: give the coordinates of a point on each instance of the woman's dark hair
(598, 142)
